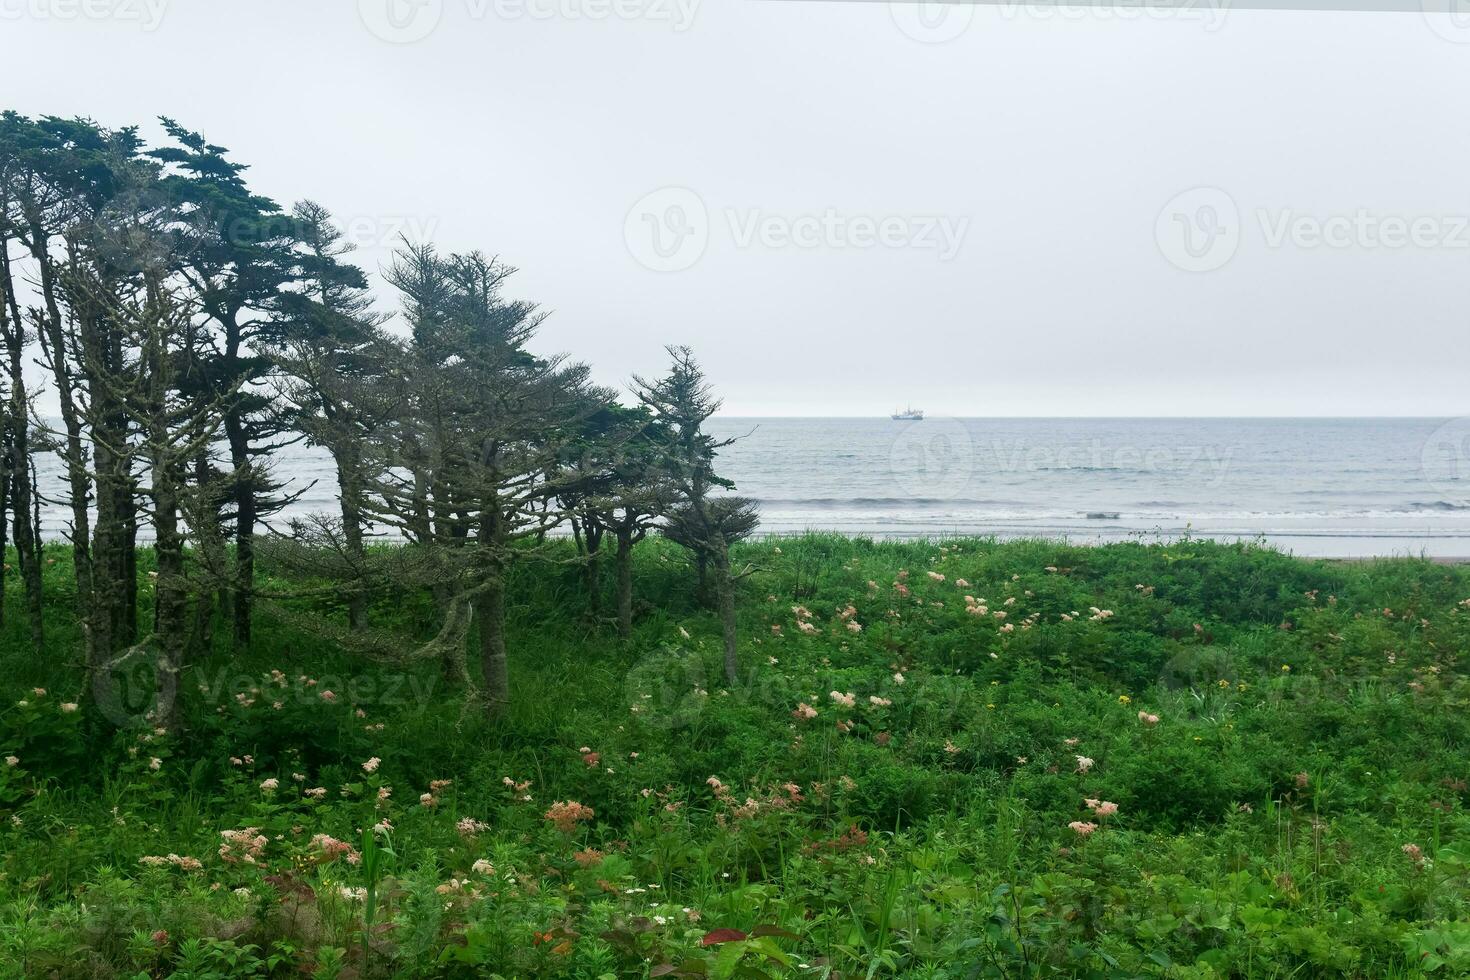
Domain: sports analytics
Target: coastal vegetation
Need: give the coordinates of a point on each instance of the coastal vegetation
(534, 701)
(945, 759)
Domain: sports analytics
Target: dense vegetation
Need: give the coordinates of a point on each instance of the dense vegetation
(942, 759)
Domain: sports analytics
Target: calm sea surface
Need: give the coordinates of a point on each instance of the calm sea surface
(1338, 487)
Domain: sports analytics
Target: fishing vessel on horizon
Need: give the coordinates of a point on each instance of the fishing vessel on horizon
(909, 414)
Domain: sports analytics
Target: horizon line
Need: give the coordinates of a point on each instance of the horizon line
(1182, 418)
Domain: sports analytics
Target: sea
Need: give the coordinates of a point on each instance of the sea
(1311, 486)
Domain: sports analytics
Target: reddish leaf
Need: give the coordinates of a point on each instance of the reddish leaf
(722, 936)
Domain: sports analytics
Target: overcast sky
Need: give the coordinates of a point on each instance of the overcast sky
(844, 207)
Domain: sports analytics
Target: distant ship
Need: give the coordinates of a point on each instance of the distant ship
(909, 415)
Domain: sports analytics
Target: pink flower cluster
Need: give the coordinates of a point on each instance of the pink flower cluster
(567, 814)
(182, 862)
(330, 849)
(242, 846)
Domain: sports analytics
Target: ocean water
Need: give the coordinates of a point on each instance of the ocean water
(1326, 487)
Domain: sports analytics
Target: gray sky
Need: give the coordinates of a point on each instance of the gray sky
(848, 206)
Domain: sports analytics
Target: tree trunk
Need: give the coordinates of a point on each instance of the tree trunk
(490, 611)
(244, 572)
(625, 583)
(170, 596)
(701, 587)
(593, 572)
(350, 495)
(725, 596)
(212, 555)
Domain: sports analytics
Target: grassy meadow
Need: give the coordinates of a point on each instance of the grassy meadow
(943, 759)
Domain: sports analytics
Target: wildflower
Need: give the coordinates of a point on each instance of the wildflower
(1124, 699)
(566, 815)
(67, 707)
(12, 761)
(717, 787)
(1302, 779)
(1102, 807)
(591, 759)
(155, 763)
(242, 846)
(483, 867)
(315, 792)
(1083, 827)
(1148, 719)
(371, 766)
(1286, 668)
(39, 692)
(936, 576)
(899, 679)
(807, 628)
(1415, 854)
(1084, 763)
(160, 936)
(468, 826)
(327, 696)
(878, 702)
(775, 631)
(844, 700)
(428, 799)
(353, 894)
(331, 849)
(950, 747)
(1069, 742)
(683, 632)
(270, 785)
(804, 712)
(853, 627)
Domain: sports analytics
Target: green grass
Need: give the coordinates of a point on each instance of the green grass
(1312, 724)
